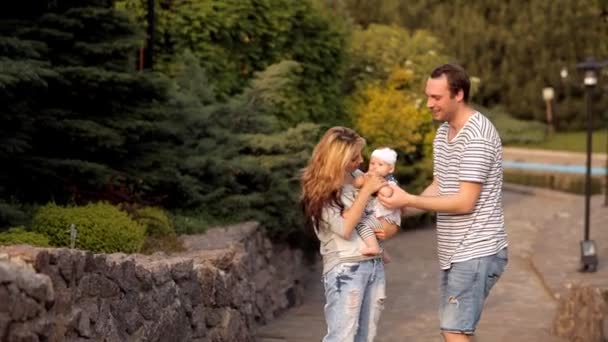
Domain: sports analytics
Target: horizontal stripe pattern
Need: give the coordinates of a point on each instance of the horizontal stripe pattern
(474, 155)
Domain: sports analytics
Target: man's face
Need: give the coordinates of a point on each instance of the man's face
(439, 100)
(379, 166)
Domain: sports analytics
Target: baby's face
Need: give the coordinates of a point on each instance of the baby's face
(380, 167)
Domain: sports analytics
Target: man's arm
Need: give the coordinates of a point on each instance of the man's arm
(461, 203)
(352, 215)
(431, 191)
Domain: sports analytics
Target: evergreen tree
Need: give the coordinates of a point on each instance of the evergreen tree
(238, 162)
(79, 119)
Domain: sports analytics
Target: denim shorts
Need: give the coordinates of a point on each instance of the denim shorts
(354, 298)
(464, 288)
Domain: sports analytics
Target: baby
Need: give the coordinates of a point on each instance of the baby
(382, 162)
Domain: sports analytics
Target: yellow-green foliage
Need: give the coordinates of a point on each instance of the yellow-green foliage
(101, 227)
(387, 116)
(18, 235)
(155, 220)
(389, 66)
(380, 49)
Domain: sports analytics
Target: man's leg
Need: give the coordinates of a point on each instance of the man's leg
(464, 289)
(456, 301)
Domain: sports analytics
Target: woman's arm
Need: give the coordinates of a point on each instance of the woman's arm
(387, 230)
(353, 214)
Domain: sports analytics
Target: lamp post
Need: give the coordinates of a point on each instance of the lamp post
(151, 18)
(548, 95)
(590, 69)
(606, 168)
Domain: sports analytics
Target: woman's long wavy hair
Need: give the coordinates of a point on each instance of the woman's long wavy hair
(323, 177)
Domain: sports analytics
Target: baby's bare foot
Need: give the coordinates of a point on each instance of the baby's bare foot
(370, 251)
(386, 258)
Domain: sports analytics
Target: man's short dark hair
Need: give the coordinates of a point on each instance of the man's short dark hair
(457, 79)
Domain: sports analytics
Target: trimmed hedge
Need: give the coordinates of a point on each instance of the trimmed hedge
(567, 182)
(18, 235)
(101, 227)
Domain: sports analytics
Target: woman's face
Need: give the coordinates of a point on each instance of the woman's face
(355, 161)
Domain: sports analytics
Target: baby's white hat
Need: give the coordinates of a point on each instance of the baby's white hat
(388, 155)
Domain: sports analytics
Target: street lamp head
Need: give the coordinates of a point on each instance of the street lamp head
(590, 79)
(590, 69)
(548, 94)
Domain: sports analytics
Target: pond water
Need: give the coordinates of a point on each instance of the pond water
(580, 169)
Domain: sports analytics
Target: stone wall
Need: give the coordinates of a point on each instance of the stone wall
(228, 281)
(581, 314)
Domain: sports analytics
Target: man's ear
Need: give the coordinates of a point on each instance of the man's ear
(460, 95)
(392, 168)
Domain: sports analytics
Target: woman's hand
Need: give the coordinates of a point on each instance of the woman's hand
(373, 183)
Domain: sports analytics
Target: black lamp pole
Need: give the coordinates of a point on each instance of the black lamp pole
(149, 56)
(590, 69)
(606, 168)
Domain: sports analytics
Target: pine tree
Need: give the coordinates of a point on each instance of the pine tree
(80, 120)
(238, 161)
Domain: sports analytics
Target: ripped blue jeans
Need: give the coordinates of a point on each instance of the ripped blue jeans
(354, 298)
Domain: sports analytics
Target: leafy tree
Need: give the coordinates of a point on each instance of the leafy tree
(389, 116)
(515, 55)
(388, 69)
(234, 39)
(376, 51)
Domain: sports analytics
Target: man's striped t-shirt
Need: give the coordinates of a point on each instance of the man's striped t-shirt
(473, 155)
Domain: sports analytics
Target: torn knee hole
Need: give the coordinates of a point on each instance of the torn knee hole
(353, 299)
(453, 300)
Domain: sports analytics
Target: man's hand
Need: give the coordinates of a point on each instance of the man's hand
(398, 199)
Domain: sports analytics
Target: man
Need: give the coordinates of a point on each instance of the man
(466, 193)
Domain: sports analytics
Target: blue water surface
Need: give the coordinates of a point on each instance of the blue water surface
(580, 169)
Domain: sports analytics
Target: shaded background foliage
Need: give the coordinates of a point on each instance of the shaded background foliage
(84, 125)
(242, 89)
(515, 47)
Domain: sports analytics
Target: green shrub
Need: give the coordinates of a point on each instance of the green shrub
(101, 227)
(192, 222)
(515, 131)
(155, 220)
(160, 234)
(18, 235)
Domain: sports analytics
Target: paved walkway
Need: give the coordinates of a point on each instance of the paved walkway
(544, 230)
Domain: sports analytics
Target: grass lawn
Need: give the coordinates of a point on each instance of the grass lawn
(572, 141)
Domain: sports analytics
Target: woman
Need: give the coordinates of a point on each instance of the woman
(354, 283)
